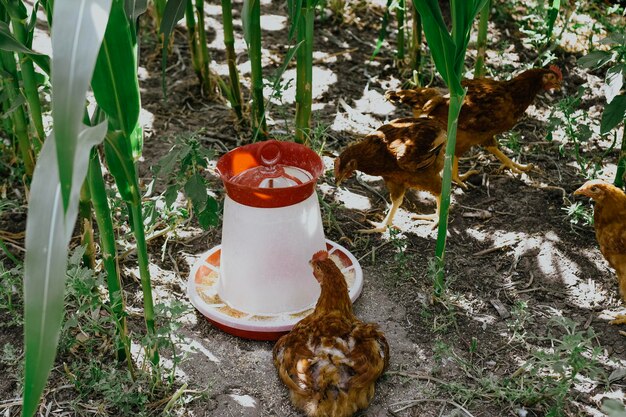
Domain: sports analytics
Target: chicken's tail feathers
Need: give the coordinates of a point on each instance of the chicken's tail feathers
(416, 99)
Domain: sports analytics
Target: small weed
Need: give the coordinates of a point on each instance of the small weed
(520, 317)
(544, 381)
(182, 169)
(579, 213)
(567, 116)
(11, 296)
(400, 257)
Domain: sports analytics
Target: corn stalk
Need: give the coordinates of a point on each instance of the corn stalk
(448, 52)
(231, 58)
(304, 68)
(116, 89)
(251, 17)
(416, 46)
(481, 42)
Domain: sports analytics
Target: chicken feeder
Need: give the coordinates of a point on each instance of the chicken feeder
(258, 283)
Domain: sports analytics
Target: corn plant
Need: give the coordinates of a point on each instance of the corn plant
(59, 174)
(234, 90)
(416, 45)
(614, 112)
(481, 42)
(196, 33)
(20, 104)
(303, 17)
(251, 17)
(96, 44)
(448, 52)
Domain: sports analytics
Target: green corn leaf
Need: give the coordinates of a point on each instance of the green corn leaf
(440, 42)
(613, 114)
(48, 232)
(114, 81)
(383, 30)
(174, 11)
(135, 8)
(9, 43)
(245, 19)
(76, 37)
(15, 104)
(294, 9)
(16, 9)
(119, 158)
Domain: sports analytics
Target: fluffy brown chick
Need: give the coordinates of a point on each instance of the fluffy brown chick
(609, 218)
(331, 360)
(490, 107)
(406, 153)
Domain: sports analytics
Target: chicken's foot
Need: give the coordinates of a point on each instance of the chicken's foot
(507, 163)
(619, 319)
(388, 221)
(460, 179)
(432, 217)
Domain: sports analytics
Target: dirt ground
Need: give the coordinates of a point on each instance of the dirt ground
(509, 241)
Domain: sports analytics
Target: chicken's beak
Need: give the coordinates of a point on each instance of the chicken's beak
(580, 191)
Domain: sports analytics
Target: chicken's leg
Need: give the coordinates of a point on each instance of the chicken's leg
(460, 179)
(434, 217)
(506, 161)
(396, 193)
(619, 319)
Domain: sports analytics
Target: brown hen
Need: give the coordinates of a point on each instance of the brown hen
(406, 153)
(331, 360)
(609, 218)
(490, 107)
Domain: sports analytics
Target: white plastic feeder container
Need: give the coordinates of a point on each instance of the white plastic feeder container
(259, 283)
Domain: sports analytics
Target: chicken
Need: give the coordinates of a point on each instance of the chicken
(490, 107)
(609, 218)
(406, 153)
(330, 360)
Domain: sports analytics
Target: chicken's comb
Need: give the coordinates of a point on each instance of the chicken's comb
(557, 71)
(320, 256)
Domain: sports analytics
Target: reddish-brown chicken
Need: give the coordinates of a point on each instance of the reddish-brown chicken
(490, 107)
(407, 153)
(609, 218)
(330, 361)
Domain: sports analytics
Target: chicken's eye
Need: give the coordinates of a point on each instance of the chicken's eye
(594, 189)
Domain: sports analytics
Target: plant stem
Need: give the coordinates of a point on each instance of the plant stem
(400, 19)
(84, 219)
(144, 273)
(27, 71)
(231, 57)
(304, 70)
(481, 43)
(417, 45)
(456, 101)
(190, 18)
(205, 74)
(620, 176)
(258, 107)
(109, 252)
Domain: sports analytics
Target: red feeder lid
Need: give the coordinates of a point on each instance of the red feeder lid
(270, 174)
